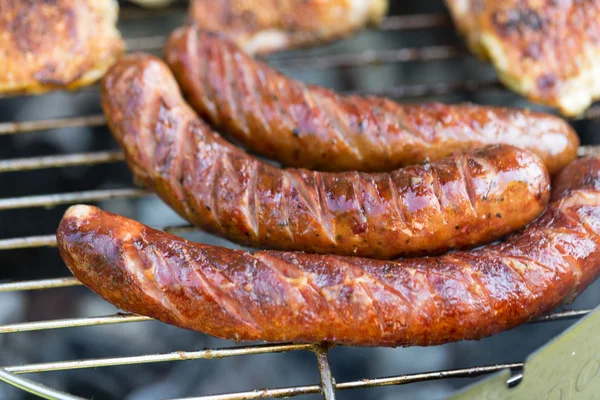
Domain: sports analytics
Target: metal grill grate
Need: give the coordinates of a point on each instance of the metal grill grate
(328, 386)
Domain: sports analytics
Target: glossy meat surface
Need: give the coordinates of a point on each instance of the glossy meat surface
(312, 127)
(547, 50)
(462, 201)
(56, 44)
(262, 26)
(280, 297)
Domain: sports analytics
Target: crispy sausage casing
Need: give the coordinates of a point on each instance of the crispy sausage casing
(56, 44)
(311, 127)
(278, 296)
(463, 201)
(262, 26)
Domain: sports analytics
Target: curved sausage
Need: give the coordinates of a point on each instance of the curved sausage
(463, 201)
(263, 26)
(280, 297)
(311, 127)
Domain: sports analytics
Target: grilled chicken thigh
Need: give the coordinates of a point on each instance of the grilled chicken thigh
(56, 44)
(547, 50)
(262, 26)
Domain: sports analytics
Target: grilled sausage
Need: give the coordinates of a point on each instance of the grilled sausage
(262, 26)
(311, 127)
(465, 200)
(278, 296)
(56, 44)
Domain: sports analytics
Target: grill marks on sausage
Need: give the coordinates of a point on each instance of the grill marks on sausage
(279, 296)
(273, 115)
(222, 189)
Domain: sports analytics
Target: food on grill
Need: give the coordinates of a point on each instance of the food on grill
(547, 50)
(56, 44)
(465, 200)
(262, 26)
(280, 297)
(312, 127)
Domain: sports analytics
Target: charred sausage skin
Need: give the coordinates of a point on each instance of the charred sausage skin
(466, 200)
(312, 127)
(279, 296)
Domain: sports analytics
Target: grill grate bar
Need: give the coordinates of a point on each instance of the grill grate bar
(434, 89)
(51, 200)
(72, 323)
(397, 92)
(9, 128)
(59, 161)
(327, 380)
(154, 358)
(364, 383)
(50, 240)
(262, 394)
(40, 284)
(427, 376)
(371, 57)
(35, 388)
(414, 21)
(129, 317)
(28, 242)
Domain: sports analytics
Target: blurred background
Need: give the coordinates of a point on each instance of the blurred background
(405, 80)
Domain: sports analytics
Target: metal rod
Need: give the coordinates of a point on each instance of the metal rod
(51, 200)
(71, 323)
(9, 128)
(327, 380)
(59, 161)
(371, 57)
(433, 89)
(427, 376)
(563, 315)
(591, 113)
(364, 383)
(414, 21)
(147, 43)
(154, 358)
(128, 317)
(588, 151)
(261, 394)
(28, 242)
(35, 388)
(39, 284)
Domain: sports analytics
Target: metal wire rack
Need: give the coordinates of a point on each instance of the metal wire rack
(328, 385)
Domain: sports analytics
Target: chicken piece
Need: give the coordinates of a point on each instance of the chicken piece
(263, 26)
(56, 44)
(547, 50)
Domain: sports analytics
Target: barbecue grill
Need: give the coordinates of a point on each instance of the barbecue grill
(24, 276)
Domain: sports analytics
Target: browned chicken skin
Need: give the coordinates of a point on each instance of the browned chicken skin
(56, 44)
(311, 127)
(261, 26)
(280, 297)
(547, 50)
(465, 200)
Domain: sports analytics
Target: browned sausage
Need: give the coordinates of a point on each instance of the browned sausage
(465, 200)
(277, 296)
(311, 127)
(261, 26)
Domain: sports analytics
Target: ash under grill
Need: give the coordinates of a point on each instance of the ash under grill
(56, 151)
